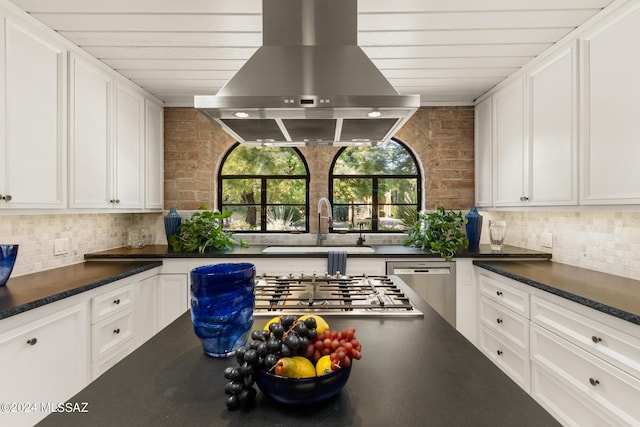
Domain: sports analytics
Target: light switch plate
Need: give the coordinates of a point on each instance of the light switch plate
(61, 246)
(547, 240)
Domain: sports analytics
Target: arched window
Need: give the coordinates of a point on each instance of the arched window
(374, 188)
(265, 188)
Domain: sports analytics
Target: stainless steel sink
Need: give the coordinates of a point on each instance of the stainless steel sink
(318, 249)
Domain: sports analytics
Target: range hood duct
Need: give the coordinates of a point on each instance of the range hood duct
(310, 83)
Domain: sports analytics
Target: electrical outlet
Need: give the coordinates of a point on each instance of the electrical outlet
(547, 240)
(61, 246)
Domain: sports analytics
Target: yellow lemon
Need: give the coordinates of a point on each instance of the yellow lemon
(295, 367)
(323, 365)
(274, 320)
(321, 324)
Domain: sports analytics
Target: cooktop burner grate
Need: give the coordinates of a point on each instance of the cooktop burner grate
(331, 294)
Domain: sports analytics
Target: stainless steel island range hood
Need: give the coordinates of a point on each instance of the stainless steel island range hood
(309, 84)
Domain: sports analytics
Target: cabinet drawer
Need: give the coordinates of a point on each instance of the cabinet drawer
(612, 345)
(505, 294)
(109, 333)
(561, 401)
(513, 327)
(604, 385)
(109, 360)
(111, 302)
(506, 355)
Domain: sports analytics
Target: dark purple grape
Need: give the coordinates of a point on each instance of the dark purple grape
(292, 341)
(250, 356)
(304, 342)
(254, 344)
(311, 333)
(310, 323)
(248, 381)
(246, 369)
(228, 388)
(262, 349)
(240, 354)
(269, 361)
(236, 386)
(285, 351)
(256, 335)
(278, 330)
(287, 321)
(228, 372)
(301, 329)
(233, 402)
(273, 345)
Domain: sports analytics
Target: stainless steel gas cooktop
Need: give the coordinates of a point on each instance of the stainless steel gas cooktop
(331, 295)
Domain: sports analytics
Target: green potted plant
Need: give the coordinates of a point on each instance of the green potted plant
(439, 231)
(204, 232)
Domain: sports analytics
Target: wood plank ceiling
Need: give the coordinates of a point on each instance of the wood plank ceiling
(447, 51)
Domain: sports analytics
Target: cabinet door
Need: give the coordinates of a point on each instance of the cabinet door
(90, 142)
(172, 297)
(34, 157)
(509, 153)
(43, 361)
(154, 156)
(483, 149)
(146, 309)
(610, 152)
(129, 149)
(553, 131)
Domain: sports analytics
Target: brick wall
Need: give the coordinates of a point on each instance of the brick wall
(441, 138)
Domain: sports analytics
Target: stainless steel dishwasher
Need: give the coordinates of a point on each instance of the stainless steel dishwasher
(433, 281)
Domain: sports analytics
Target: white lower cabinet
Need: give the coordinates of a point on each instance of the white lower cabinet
(581, 365)
(43, 362)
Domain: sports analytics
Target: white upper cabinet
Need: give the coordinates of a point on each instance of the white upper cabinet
(552, 127)
(32, 118)
(90, 135)
(154, 155)
(482, 152)
(509, 145)
(611, 129)
(129, 149)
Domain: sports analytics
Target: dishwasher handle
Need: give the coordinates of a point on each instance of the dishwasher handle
(422, 270)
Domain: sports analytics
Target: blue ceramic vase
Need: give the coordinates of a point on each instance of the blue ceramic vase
(222, 303)
(474, 227)
(172, 221)
(8, 255)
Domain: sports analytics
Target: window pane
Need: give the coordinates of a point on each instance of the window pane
(396, 217)
(286, 218)
(397, 190)
(245, 160)
(391, 159)
(243, 218)
(286, 191)
(350, 216)
(237, 191)
(352, 190)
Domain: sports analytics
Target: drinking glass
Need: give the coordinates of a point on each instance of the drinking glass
(497, 230)
(222, 303)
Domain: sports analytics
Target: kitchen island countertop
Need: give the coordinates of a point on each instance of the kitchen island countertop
(414, 371)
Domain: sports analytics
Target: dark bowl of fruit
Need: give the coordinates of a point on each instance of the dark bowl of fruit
(302, 391)
(293, 360)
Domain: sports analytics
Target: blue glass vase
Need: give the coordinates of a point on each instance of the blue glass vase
(474, 227)
(172, 221)
(8, 255)
(222, 303)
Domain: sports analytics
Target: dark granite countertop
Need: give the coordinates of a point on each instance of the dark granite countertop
(416, 371)
(614, 295)
(381, 251)
(27, 292)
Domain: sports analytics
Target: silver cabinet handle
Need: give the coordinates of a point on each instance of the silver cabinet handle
(596, 339)
(32, 341)
(594, 382)
(499, 320)
(499, 352)
(499, 293)
(116, 301)
(116, 331)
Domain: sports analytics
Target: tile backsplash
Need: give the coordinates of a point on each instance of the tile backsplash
(86, 233)
(606, 241)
